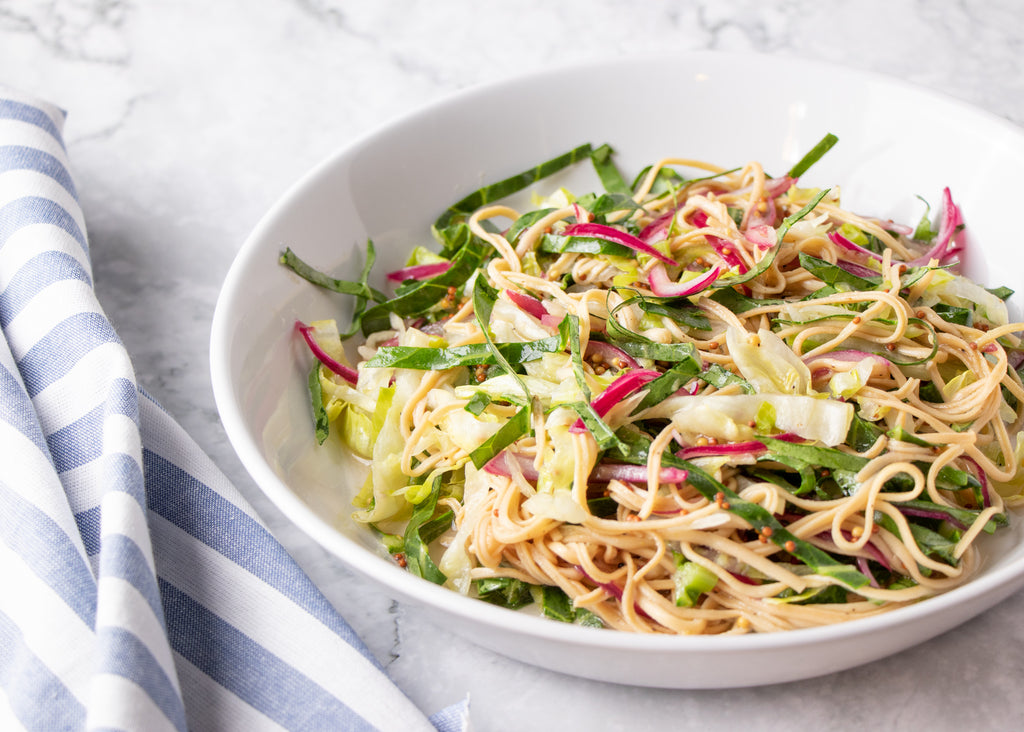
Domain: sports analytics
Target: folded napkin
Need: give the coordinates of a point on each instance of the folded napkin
(138, 590)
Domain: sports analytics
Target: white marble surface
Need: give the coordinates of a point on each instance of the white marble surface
(189, 118)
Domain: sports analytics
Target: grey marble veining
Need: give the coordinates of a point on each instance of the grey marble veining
(188, 119)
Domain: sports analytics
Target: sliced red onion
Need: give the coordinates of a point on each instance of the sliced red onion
(982, 478)
(775, 187)
(722, 246)
(609, 233)
(730, 448)
(419, 271)
(894, 228)
(788, 437)
(662, 286)
(925, 513)
(582, 216)
(761, 235)
(610, 587)
(524, 302)
(611, 354)
(869, 548)
(946, 244)
(865, 569)
(841, 241)
(347, 373)
(618, 390)
(743, 578)
(499, 465)
(762, 218)
(656, 230)
(602, 473)
(605, 472)
(857, 270)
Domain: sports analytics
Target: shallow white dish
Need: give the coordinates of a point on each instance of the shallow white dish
(896, 142)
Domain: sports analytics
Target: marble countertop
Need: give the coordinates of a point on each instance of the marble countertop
(188, 119)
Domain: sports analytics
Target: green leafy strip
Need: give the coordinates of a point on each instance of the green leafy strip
(508, 186)
(360, 289)
(688, 316)
(813, 155)
(669, 383)
(602, 205)
(504, 592)
(740, 303)
(424, 358)
(560, 244)
(524, 222)
(572, 325)
(780, 234)
(478, 403)
(316, 398)
(758, 517)
(346, 287)
(720, 377)
(609, 174)
(420, 531)
(417, 297)
(484, 297)
(959, 514)
(518, 426)
(604, 435)
(796, 454)
(833, 274)
(931, 542)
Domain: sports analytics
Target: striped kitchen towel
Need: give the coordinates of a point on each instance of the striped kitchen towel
(138, 590)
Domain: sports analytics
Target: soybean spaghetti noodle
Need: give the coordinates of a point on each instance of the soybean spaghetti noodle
(710, 404)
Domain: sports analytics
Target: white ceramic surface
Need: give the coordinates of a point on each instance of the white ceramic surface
(896, 142)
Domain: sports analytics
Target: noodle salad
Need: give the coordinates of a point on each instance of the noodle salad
(708, 401)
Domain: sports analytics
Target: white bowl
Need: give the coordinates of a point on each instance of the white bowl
(896, 142)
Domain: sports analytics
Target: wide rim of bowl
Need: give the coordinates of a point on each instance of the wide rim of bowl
(986, 590)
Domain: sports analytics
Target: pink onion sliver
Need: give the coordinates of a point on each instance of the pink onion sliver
(857, 270)
(865, 569)
(945, 244)
(582, 216)
(609, 233)
(655, 231)
(347, 373)
(419, 271)
(775, 187)
(606, 472)
(610, 587)
(618, 390)
(788, 437)
(610, 353)
(843, 243)
(743, 578)
(734, 448)
(895, 228)
(982, 478)
(925, 513)
(527, 304)
(499, 465)
(761, 235)
(825, 537)
(662, 286)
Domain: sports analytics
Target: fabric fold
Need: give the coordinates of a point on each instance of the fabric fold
(141, 591)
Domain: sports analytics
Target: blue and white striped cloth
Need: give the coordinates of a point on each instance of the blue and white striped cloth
(138, 590)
